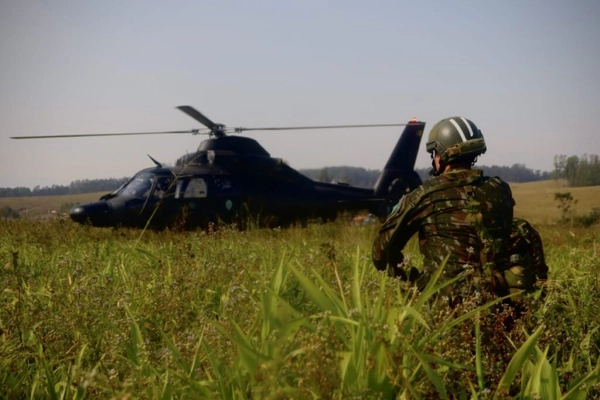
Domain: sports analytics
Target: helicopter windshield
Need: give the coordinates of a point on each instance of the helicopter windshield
(139, 186)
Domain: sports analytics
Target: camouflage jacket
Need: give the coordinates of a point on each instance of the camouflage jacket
(460, 215)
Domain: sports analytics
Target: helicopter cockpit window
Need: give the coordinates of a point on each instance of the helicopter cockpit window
(191, 189)
(162, 185)
(139, 186)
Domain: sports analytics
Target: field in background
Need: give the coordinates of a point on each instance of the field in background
(535, 200)
(41, 206)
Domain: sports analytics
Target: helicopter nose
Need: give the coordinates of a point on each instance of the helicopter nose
(96, 213)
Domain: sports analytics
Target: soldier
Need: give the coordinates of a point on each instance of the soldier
(463, 218)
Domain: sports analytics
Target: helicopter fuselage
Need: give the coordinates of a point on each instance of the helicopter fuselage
(194, 196)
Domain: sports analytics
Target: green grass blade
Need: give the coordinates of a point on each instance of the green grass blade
(478, 361)
(579, 388)
(433, 376)
(250, 356)
(517, 361)
(323, 296)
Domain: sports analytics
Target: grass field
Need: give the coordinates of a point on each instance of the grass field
(293, 313)
(41, 206)
(535, 200)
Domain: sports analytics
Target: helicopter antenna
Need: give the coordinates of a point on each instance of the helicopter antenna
(158, 163)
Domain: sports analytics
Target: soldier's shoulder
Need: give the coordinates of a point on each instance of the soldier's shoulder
(497, 181)
(411, 198)
(433, 182)
(423, 189)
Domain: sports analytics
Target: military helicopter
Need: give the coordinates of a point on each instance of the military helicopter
(233, 179)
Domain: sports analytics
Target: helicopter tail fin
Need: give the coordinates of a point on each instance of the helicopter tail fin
(399, 176)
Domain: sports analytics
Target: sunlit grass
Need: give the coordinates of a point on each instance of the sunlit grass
(35, 207)
(535, 200)
(293, 313)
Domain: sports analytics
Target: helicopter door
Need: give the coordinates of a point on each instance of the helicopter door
(228, 199)
(191, 194)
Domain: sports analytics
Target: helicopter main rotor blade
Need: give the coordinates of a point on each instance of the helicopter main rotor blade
(192, 131)
(198, 116)
(287, 128)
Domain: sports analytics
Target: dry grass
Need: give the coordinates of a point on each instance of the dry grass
(35, 206)
(535, 200)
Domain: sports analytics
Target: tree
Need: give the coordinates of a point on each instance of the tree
(578, 171)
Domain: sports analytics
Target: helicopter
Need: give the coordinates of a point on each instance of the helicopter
(232, 179)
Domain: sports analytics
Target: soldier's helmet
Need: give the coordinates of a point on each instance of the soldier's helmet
(456, 138)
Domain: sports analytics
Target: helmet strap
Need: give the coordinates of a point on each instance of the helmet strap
(434, 171)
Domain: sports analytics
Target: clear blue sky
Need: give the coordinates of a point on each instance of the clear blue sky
(526, 72)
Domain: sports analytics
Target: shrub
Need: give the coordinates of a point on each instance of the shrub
(566, 204)
(589, 219)
(8, 213)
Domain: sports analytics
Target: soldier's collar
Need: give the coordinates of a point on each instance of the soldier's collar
(463, 173)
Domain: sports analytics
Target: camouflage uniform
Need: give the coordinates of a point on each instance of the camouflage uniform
(460, 215)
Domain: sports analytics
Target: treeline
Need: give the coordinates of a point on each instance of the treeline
(76, 187)
(578, 171)
(361, 177)
(517, 173)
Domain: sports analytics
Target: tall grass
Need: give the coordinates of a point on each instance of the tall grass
(294, 313)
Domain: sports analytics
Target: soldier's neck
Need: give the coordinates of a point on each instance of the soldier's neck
(454, 167)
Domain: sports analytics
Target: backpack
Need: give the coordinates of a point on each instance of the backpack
(527, 263)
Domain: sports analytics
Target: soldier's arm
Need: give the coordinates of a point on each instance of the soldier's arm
(382, 242)
(393, 236)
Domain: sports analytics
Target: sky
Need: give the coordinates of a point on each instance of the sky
(527, 73)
